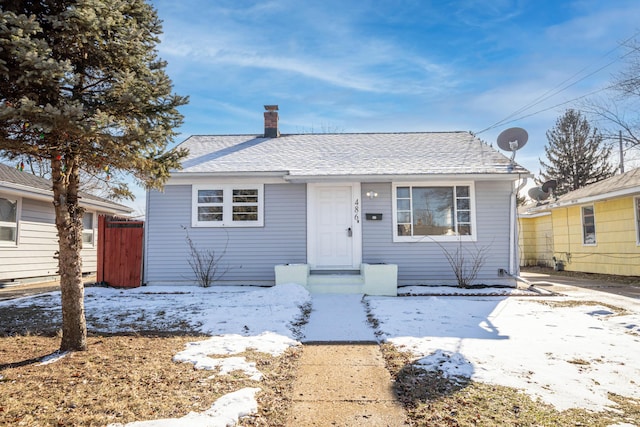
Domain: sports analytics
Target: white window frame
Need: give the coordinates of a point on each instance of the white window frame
(636, 209)
(89, 231)
(584, 235)
(227, 205)
(440, 238)
(15, 224)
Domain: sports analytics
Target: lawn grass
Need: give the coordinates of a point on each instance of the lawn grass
(126, 378)
(432, 400)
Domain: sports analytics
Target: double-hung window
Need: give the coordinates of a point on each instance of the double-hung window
(87, 229)
(436, 212)
(227, 205)
(8, 221)
(588, 225)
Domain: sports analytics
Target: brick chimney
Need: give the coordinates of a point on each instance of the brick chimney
(271, 121)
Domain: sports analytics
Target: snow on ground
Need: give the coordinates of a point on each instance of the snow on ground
(199, 353)
(226, 411)
(241, 318)
(569, 356)
(53, 357)
(245, 310)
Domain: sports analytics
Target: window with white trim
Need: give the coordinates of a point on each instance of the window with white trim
(440, 212)
(227, 205)
(637, 209)
(588, 225)
(87, 229)
(8, 221)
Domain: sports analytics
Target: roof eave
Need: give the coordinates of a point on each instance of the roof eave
(596, 198)
(407, 177)
(20, 190)
(285, 176)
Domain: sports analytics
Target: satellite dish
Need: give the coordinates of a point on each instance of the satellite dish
(512, 139)
(549, 186)
(538, 194)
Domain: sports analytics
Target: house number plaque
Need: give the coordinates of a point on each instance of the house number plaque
(356, 211)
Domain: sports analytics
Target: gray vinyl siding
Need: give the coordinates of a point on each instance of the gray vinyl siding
(249, 254)
(33, 256)
(425, 262)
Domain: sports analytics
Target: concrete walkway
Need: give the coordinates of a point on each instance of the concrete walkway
(342, 379)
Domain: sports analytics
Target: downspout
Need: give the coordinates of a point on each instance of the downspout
(514, 267)
(145, 236)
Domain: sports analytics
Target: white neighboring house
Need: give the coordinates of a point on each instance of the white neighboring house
(28, 235)
(330, 206)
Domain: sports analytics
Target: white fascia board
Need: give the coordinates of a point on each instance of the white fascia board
(106, 206)
(24, 190)
(534, 214)
(405, 178)
(182, 178)
(47, 196)
(600, 197)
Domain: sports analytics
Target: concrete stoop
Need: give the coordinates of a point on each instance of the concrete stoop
(344, 385)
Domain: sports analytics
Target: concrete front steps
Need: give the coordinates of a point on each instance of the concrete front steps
(370, 279)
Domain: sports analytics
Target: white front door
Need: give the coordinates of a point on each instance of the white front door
(334, 236)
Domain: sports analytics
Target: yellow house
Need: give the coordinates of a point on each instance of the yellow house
(595, 229)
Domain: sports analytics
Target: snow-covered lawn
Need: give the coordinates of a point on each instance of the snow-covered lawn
(566, 353)
(238, 318)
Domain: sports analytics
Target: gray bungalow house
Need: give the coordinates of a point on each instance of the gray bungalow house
(336, 212)
(28, 235)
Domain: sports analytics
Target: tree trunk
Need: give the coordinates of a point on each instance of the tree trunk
(69, 225)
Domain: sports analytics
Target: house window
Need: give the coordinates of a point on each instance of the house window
(87, 229)
(637, 206)
(8, 221)
(227, 205)
(588, 226)
(435, 211)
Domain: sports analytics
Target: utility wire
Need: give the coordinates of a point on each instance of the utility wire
(561, 87)
(502, 122)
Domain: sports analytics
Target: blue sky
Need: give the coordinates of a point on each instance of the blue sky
(390, 66)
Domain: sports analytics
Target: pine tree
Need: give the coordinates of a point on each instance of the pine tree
(575, 154)
(81, 87)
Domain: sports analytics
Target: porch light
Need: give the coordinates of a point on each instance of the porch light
(372, 194)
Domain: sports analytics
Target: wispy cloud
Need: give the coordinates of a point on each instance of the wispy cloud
(335, 53)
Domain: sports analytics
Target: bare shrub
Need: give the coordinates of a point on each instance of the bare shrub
(465, 263)
(205, 263)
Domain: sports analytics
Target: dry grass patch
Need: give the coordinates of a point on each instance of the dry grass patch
(617, 311)
(612, 278)
(123, 379)
(432, 400)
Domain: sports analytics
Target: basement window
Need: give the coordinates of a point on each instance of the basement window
(227, 205)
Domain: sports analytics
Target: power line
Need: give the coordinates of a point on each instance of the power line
(561, 87)
(502, 122)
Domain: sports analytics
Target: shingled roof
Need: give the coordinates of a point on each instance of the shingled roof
(623, 184)
(345, 154)
(14, 179)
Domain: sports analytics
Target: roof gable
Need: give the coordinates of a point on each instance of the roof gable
(375, 154)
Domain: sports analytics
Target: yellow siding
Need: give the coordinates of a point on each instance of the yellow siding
(616, 250)
(536, 241)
